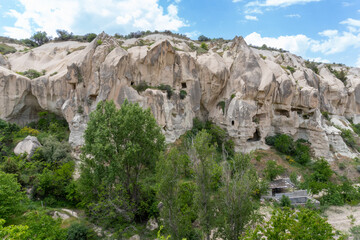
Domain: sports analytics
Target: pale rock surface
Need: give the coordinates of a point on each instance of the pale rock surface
(28, 146)
(135, 237)
(152, 224)
(261, 97)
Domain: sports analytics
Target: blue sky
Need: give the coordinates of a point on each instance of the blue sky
(321, 30)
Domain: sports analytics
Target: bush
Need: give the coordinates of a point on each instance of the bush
(99, 42)
(312, 66)
(183, 94)
(204, 46)
(31, 73)
(349, 139)
(166, 88)
(284, 144)
(326, 115)
(78, 231)
(142, 86)
(5, 49)
(90, 36)
(10, 195)
(273, 170)
(285, 201)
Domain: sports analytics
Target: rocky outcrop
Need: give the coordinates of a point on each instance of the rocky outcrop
(249, 92)
(28, 146)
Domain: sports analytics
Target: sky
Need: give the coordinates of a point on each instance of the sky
(320, 30)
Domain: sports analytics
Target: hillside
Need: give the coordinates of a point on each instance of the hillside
(250, 92)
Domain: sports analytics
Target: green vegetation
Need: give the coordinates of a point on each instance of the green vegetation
(31, 73)
(341, 75)
(183, 94)
(222, 105)
(40, 38)
(326, 115)
(289, 224)
(5, 49)
(299, 149)
(142, 86)
(265, 47)
(262, 56)
(99, 42)
(113, 182)
(273, 170)
(202, 38)
(313, 66)
(204, 46)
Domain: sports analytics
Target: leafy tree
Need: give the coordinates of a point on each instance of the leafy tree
(121, 146)
(237, 201)
(202, 38)
(203, 158)
(295, 225)
(63, 35)
(10, 195)
(40, 38)
(13, 231)
(176, 194)
(90, 36)
(29, 43)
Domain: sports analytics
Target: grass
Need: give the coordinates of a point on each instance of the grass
(5, 49)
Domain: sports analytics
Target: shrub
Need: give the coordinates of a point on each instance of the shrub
(204, 46)
(262, 56)
(222, 104)
(31, 73)
(40, 38)
(285, 201)
(142, 86)
(5, 49)
(78, 231)
(326, 115)
(312, 66)
(183, 94)
(90, 36)
(99, 42)
(284, 144)
(291, 69)
(348, 138)
(166, 88)
(273, 170)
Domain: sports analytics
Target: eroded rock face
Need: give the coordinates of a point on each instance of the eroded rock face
(28, 146)
(249, 92)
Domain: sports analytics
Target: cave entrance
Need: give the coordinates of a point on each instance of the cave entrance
(183, 85)
(256, 137)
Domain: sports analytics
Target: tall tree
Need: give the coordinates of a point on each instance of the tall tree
(121, 146)
(203, 157)
(236, 198)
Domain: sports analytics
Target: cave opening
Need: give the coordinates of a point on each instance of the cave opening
(183, 85)
(256, 137)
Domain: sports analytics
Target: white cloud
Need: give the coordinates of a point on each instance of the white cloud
(332, 41)
(293, 16)
(279, 3)
(297, 44)
(329, 33)
(351, 22)
(251, 18)
(44, 15)
(319, 59)
(193, 34)
(358, 62)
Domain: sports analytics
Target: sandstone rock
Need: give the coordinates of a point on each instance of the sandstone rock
(62, 216)
(231, 85)
(152, 224)
(28, 146)
(135, 237)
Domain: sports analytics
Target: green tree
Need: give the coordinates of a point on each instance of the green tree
(10, 195)
(295, 225)
(237, 201)
(13, 232)
(203, 157)
(63, 35)
(40, 38)
(176, 194)
(121, 147)
(90, 36)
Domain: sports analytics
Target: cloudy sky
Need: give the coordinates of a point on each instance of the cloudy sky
(320, 30)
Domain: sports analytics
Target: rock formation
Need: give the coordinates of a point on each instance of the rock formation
(28, 146)
(249, 92)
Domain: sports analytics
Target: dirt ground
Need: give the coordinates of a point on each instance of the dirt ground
(340, 217)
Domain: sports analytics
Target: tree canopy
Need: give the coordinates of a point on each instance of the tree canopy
(121, 146)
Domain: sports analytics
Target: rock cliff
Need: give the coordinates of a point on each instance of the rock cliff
(249, 92)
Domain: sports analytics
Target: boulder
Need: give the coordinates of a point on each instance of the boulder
(152, 224)
(28, 146)
(135, 237)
